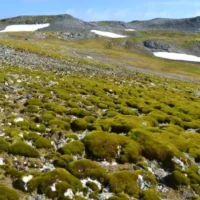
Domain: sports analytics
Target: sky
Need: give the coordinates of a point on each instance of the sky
(91, 10)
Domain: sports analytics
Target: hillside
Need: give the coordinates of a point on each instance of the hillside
(67, 22)
(90, 117)
(187, 24)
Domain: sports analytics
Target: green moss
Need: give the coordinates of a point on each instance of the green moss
(59, 124)
(73, 148)
(79, 112)
(120, 196)
(105, 146)
(8, 194)
(158, 116)
(38, 127)
(48, 179)
(14, 173)
(31, 109)
(177, 179)
(23, 149)
(63, 161)
(79, 124)
(87, 168)
(4, 145)
(154, 147)
(150, 195)
(126, 181)
(195, 153)
(55, 107)
(31, 136)
(46, 117)
(43, 143)
(35, 102)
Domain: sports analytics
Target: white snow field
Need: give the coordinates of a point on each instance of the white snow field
(108, 34)
(24, 27)
(177, 56)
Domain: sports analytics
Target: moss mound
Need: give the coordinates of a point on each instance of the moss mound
(4, 145)
(73, 148)
(62, 179)
(126, 181)
(23, 149)
(87, 168)
(79, 124)
(8, 194)
(106, 145)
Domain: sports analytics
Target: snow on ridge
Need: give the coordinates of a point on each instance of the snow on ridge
(129, 29)
(24, 27)
(177, 56)
(108, 34)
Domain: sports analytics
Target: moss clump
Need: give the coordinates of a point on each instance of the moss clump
(105, 146)
(87, 168)
(14, 173)
(23, 149)
(43, 143)
(38, 127)
(31, 109)
(177, 179)
(126, 181)
(150, 195)
(46, 117)
(8, 194)
(79, 112)
(57, 108)
(79, 124)
(154, 147)
(63, 161)
(4, 145)
(73, 148)
(58, 123)
(59, 174)
(120, 196)
(34, 101)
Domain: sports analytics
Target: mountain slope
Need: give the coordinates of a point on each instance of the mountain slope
(187, 24)
(57, 22)
(67, 22)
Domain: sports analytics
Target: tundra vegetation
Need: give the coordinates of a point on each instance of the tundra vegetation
(79, 136)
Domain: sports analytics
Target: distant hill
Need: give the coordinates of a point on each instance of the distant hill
(69, 23)
(187, 24)
(57, 22)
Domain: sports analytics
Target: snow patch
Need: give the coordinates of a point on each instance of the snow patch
(24, 27)
(2, 161)
(84, 181)
(107, 164)
(19, 119)
(108, 34)
(53, 187)
(69, 193)
(177, 56)
(129, 29)
(26, 179)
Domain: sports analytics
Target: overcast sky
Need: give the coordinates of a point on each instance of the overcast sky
(91, 10)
